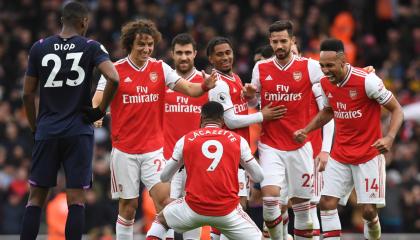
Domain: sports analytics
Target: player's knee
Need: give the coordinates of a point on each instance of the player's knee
(75, 196)
(369, 212)
(328, 203)
(128, 207)
(37, 196)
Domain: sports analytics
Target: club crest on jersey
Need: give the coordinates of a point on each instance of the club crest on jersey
(153, 76)
(353, 94)
(297, 76)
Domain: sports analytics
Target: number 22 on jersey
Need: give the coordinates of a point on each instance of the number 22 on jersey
(212, 149)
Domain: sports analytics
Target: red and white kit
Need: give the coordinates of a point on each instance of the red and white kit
(280, 156)
(356, 103)
(182, 114)
(228, 92)
(136, 126)
(211, 157)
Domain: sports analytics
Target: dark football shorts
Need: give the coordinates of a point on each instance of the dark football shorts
(74, 153)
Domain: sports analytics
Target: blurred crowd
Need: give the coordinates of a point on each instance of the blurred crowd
(381, 33)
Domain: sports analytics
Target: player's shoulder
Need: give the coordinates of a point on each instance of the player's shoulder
(359, 72)
(121, 61)
(155, 61)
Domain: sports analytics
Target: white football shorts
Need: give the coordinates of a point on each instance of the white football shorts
(293, 167)
(235, 225)
(368, 179)
(127, 170)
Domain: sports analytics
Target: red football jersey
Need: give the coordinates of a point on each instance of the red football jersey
(357, 111)
(182, 114)
(137, 107)
(240, 104)
(211, 157)
(289, 85)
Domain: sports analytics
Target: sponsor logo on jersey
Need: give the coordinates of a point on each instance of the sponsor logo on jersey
(353, 93)
(128, 79)
(153, 76)
(329, 95)
(373, 195)
(268, 78)
(297, 76)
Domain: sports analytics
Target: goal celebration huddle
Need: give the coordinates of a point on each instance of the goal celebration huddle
(185, 133)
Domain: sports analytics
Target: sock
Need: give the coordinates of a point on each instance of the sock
(272, 217)
(215, 234)
(303, 222)
(315, 221)
(285, 217)
(75, 221)
(194, 234)
(157, 231)
(265, 232)
(30, 223)
(170, 234)
(331, 226)
(124, 228)
(372, 229)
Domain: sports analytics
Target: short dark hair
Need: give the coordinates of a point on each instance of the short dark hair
(216, 41)
(332, 44)
(183, 39)
(212, 111)
(282, 25)
(142, 26)
(73, 12)
(266, 51)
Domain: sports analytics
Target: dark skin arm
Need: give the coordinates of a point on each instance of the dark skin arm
(322, 118)
(397, 116)
(29, 92)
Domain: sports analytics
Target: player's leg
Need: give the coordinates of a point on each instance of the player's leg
(32, 217)
(284, 202)
(243, 198)
(338, 181)
(152, 165)
(77, 154)
(285, 217)
(125, 178)
(177, 191)
(274, 174)
(372, 226)
(158, 229)
(44, 167)
(176, 215)
(237, 225)
(300, 165)
(369, 181)
(318, 182)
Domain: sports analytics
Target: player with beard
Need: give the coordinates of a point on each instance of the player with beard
(353, 98)
(286, 80)
(182, 113)
(229, 91)
(137, 117)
